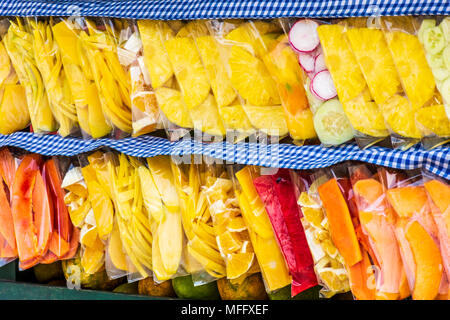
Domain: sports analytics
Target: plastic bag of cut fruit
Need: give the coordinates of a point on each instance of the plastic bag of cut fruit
(330, 121)
(417, 234)
(47, 57)
(332, 188)
(8, 244)
(68, 34)
(328, 262)
(242, 46)
(371, 51)
(144, 108)
(19, 44)
(174, 114)
(418, 83)
(351, 87)
(274, 270)
(41, 204)
(377, 226)
(231, 233)
(277, 193)
(201, 254)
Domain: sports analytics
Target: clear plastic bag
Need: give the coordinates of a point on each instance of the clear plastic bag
(328, 262)
(373, 56)
(278, 193)
(241, 50)
(47, 57)
(330, 121)
(13, 100)
(353, 92)
(417, 235)
(18, 42)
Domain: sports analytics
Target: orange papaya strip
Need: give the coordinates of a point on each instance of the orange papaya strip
(7, 167)
(23, 265)
(5, 250)
(62, 219)
(42, 214)
(58, 245)
(362, 279)
(6, 219)
(439, 193)
(341, 227)
(49, 257)
(24, 228)
(74, 241)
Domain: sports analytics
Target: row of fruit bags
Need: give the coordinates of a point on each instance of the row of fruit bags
(372, 78)
(353, 78)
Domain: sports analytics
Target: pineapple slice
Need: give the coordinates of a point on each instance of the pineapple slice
(268, 119)
(434, 120)
(399, 115)
(251, 78)
(189, 70)
(375, 61)
(153, 33)
(206, 117)
(234, 118)
(171, 104)
(415, 74)
(196, 28)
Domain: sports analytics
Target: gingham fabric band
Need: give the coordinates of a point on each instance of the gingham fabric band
(210, 9)
(436, 161)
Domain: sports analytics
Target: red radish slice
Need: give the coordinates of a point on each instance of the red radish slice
(303, 35)
(322, 85)
(319, 63)
(306, 61)
(318, 51)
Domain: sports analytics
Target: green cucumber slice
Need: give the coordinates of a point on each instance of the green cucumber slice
(446, 56)
(445, 91)
(426, 24)
(440, 74)
(445, 26)
(435, 61)
(433, 40)
(331, 124)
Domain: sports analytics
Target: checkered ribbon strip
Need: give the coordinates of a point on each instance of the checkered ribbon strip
(436, 161)
(211, 9)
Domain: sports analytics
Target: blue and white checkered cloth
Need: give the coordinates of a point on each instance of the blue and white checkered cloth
(436, 161)
(211, 9)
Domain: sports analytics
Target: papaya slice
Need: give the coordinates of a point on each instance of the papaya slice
(73, 244)
(6, 219)
(48, 258)
(22, 193)
(5, 250)
(341, 227)
(428, 262)
(361, 276)
(409, 200)
(439, 193)
(58, 245)
(7, 167)
(42, 214)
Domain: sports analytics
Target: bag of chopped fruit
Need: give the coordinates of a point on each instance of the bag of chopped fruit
(333, 191)
(438, 191)
(371, 51)
(8, 243)
(47, 55)
(242, 46)
(328, 262)
(417, 233)
(144, 108)
(435, 38)
(13, 100)
(337, 56)
(161, 201)
(68, 35)
(330, 121)
(163, 69)
(377, 231)
(274, 270)
(201, 255)
(19, 44)
(275, 193)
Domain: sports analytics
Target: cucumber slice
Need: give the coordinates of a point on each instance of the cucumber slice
(445, 26)
(435, 61)
(433, 40)
(314, 102)
(445, 91)
(331, 124)
(426, 24)
(440, 74)
(446, 56)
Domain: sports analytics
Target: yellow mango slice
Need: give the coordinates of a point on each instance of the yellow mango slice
(13, 109)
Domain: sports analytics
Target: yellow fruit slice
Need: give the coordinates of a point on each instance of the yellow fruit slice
(269, 119)
(196, 28)
(92, 258)
(399, 115)
(251, 78)
(171, 104)
(170, 241)
(434, 120)
(341, 62)
(13, 109)
(228, 243)
(239, 263)
(88, 235)
(115, 250)
(217, 74)
(234, 118)
(158, 266)
(375, 61)
(153, 33)
(5, 64)
(206, 117)
(236, 224)
(150, 195)
(189, 70)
